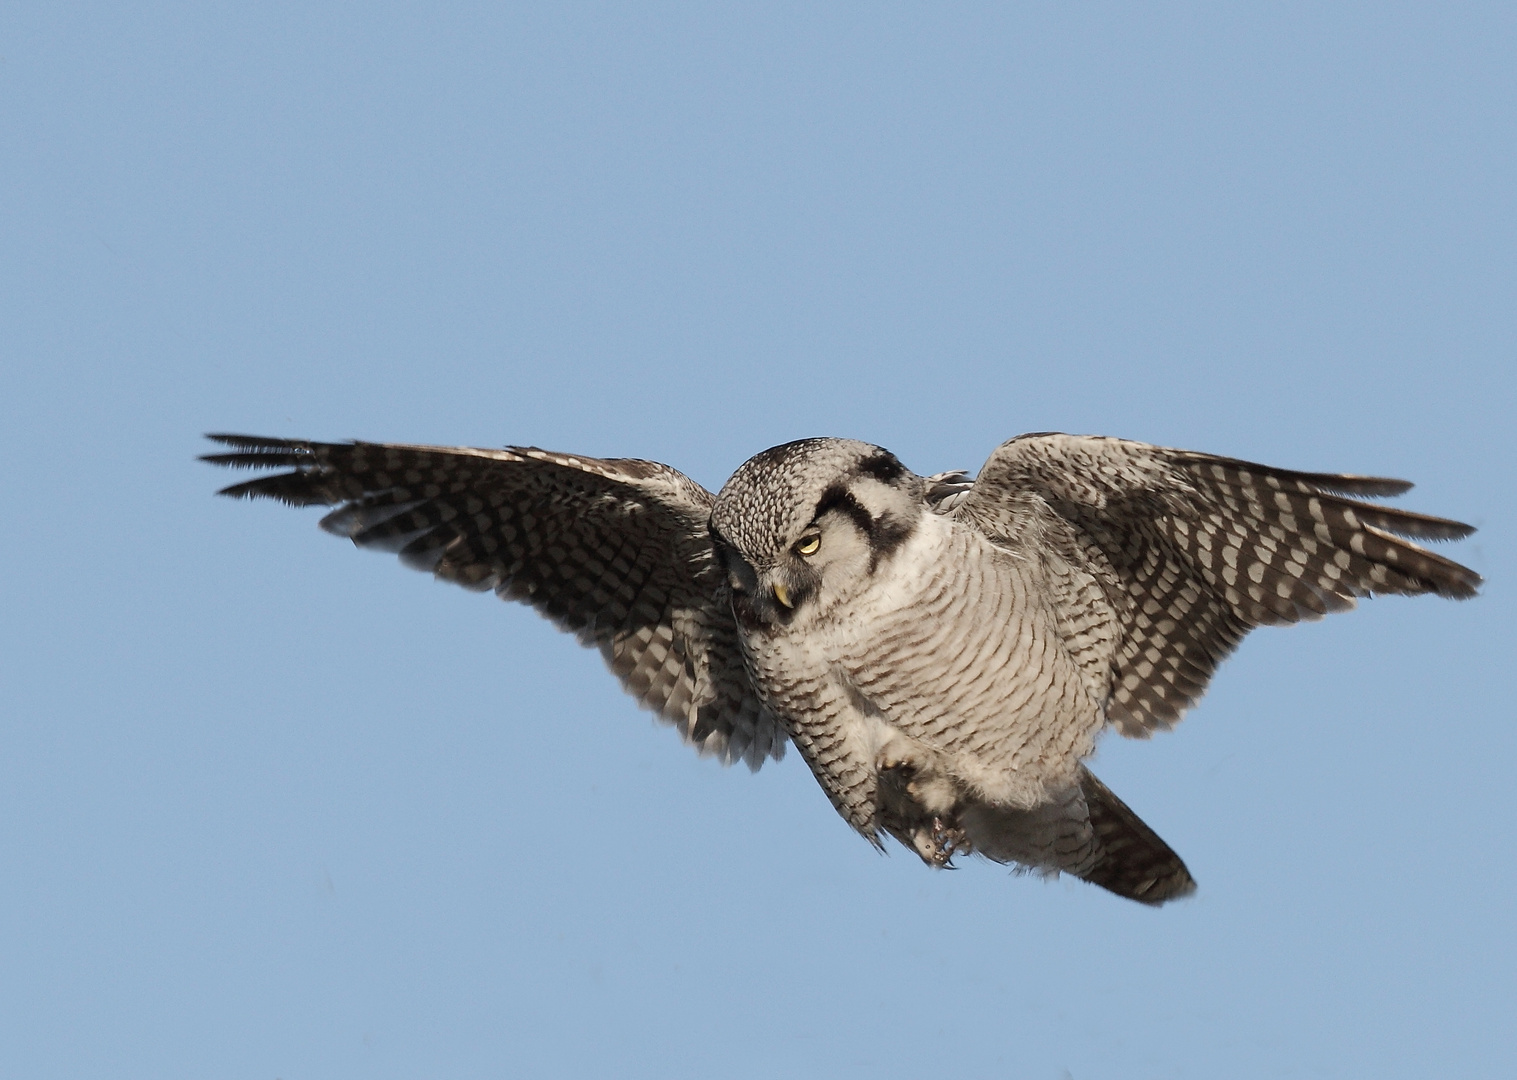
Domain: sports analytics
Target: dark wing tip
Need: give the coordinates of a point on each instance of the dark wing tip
(256, 443)
(257, 452)
(261, 452)
(1419, 526)
(1374, 487)
(249, 441)
(246, 490)
(1459, 583)
(292, 489)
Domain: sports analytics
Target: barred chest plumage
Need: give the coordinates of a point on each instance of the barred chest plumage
(947, 657)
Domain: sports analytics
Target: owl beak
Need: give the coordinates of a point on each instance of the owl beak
(782, 594)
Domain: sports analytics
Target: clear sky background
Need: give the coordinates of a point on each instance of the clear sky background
(270, 807)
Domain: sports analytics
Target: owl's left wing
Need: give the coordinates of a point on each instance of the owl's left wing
(1170, 557)
(615, 551)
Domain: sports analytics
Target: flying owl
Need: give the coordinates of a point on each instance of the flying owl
(943, 651)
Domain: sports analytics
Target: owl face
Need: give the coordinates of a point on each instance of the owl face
(803, 527)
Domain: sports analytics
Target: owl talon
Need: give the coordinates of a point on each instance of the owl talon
(940, 844)
(950, 839)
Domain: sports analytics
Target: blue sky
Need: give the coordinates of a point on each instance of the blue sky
(270, 807)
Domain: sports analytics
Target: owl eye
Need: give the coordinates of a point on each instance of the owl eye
(807, 545)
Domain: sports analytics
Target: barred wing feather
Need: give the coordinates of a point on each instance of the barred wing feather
(614, 551)
(1191, 551)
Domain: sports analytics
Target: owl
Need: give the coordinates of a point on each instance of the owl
(943, 651)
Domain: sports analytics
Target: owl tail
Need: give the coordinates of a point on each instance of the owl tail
(1089, 833)
(1130, 860)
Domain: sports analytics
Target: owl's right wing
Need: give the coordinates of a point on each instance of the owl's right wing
(615, 551)
(1176, 555)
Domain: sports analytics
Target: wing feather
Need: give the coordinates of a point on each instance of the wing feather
(1192, 551)
(614, 551)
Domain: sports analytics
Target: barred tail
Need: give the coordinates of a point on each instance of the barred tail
(1131, 860)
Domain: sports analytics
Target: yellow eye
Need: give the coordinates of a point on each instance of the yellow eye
(808, 545)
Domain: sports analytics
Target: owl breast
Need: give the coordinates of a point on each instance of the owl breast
(952, 646)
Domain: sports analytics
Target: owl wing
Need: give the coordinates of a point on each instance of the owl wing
(1177, 555)
(613, 551)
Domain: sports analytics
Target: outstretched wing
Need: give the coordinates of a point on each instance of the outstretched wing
(614, 551)
(1184, 553)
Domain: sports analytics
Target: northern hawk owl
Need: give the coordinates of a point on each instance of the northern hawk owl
(942, 651)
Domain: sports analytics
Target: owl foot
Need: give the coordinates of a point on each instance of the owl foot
(937, 846)
(899, 767)
(918, 803)
(919, 780)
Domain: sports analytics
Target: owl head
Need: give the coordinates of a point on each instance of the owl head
(803, 527)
